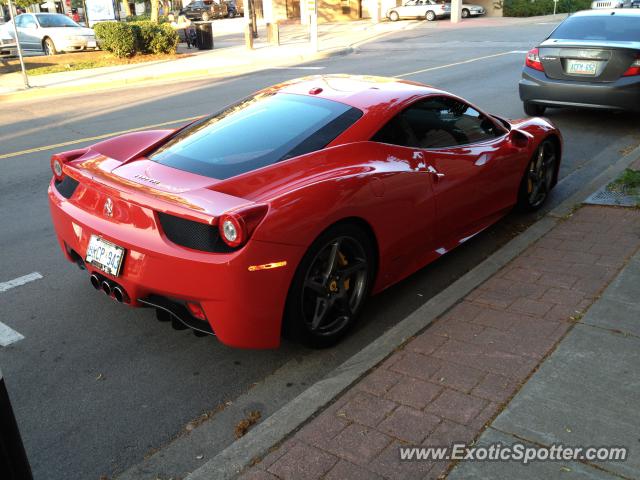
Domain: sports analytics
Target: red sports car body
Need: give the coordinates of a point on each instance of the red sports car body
(221, 223)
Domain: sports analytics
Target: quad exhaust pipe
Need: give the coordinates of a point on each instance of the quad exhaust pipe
(111, 289)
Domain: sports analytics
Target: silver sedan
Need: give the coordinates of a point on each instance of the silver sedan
(51, 33)
(427, 9)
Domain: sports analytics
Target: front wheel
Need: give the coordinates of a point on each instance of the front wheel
(538, 178)
(205, 17)
(465, 13)
(533, 109)
(430, 16)
(49, 47)
(394, 16)
(330, 286)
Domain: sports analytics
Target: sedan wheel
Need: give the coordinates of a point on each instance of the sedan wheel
(49, 47)
(394, 17)
(533, 109)
(538, 178)
(330, 287)
(465, 13)
(205, 17)
(430, 16)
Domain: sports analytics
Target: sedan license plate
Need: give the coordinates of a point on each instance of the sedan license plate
(581, 67)
(104, 255)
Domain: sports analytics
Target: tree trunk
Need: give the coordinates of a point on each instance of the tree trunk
(154, 10)
(127, 8)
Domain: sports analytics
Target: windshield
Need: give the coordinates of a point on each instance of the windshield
(613, 28)
(256, 132)
(51, 21)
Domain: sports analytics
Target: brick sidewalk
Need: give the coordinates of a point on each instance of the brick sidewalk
(446, 384)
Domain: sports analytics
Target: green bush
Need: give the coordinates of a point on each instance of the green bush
(124, 39)
(530, 8)
(155, 38)
(116, 37)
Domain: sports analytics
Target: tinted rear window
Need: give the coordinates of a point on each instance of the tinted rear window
(256, 132)
(613, 28)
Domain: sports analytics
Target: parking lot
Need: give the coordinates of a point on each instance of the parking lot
(96, 386)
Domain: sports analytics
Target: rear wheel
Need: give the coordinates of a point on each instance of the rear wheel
(430, 16)
(49, 47)
(330, 286)
(394, 17)
(533, 109)
(538, 178)
(465, 13)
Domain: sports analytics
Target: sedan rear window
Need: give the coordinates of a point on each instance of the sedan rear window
(256, 132)
(612, 28)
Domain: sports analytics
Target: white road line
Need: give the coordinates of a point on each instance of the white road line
(8, 335)
(16, 282)
(296, 68)
(471, 60)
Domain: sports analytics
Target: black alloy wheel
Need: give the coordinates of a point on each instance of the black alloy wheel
(538, 178)
(330, 286)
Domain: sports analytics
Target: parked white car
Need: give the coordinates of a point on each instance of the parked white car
(599, 4)
(427, 9)
(469, 10)
(51, 33)
(8, 47)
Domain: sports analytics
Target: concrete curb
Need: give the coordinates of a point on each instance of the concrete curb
(204, 73)
(272, 431)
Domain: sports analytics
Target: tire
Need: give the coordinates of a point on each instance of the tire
(538, 178)
(430, 16)
(49, 47)
(394, 16)
(533, 109)
(205, 17)
(465, 13)
(330, 286)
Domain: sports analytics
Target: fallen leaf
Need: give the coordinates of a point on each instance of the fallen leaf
(243, 425)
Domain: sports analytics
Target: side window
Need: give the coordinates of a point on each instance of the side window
(20, 20)
(437, 122)
(27, 21)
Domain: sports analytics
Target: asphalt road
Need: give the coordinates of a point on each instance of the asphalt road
(97, 386)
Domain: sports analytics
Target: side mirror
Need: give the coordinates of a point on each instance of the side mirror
(519, 138)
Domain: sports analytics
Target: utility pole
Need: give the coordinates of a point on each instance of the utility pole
(312, 7)
(25, 78)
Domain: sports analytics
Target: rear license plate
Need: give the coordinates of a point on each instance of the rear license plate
(580, 67)
(104, 255)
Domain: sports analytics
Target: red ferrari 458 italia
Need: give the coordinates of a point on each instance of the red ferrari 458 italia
(283, 212)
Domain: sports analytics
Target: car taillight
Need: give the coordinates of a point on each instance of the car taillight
(59, 159)
(634, 69)
(237, 227)
(533, 60)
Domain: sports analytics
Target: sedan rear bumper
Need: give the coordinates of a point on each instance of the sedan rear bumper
(623, 94)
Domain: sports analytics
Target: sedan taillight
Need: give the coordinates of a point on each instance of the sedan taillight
(634, 69)
(533, 60)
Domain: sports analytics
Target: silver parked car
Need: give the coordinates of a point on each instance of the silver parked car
(427, 9)
(592, 59)
(51, 33)
(599, 4)
(469, 10)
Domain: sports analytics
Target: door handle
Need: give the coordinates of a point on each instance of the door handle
(438, 174)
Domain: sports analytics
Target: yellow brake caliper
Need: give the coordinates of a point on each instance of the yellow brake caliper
(342, 261)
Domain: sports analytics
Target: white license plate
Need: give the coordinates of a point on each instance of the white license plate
(91, 44)
(579, 67)
(104, 255)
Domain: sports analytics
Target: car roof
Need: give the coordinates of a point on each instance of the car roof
(608, 12)
(360, 91)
